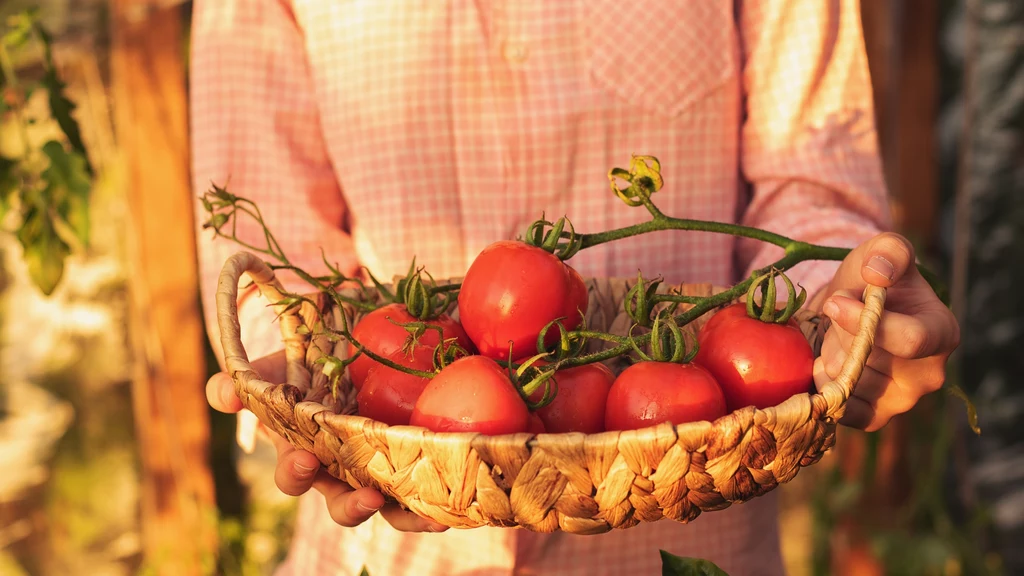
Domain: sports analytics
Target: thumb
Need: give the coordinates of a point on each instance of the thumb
(881, 261)
(887, 258)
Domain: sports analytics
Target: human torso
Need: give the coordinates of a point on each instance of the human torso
(454, 124)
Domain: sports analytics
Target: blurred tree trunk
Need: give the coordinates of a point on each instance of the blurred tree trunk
(148, 74)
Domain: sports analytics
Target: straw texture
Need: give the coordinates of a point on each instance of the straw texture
(583, 484)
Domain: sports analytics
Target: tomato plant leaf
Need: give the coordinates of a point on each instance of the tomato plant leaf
(44, 250)
(61, 107)
(19, 31)
(67, 188)
(8, 184)
(672, 565)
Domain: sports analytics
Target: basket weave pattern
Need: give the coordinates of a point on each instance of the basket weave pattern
(577, 483)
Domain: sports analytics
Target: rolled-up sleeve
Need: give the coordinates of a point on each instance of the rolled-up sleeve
(809, 144)
(256, 130)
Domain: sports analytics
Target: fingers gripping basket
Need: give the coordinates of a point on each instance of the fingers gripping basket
(584, 484)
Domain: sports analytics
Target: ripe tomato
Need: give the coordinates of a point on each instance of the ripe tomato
(650, 393)
(381, 336)
(472, 394)
(536, 425)
(580, 401)
(389, 395)
(757, 363)
(511, 291)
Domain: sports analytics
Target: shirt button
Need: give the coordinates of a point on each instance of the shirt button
(515, 52)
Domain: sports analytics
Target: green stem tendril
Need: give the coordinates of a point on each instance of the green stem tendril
(641, 299)
(224, 209)
(535, 378)
(448, 351)
(538, 234)
(767, 311)
(292, 301)
(382, 290)
(416, 330)
(422, 299)
(666, 342)
(445, 288)
(569, 344)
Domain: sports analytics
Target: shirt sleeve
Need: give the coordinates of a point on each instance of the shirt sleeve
(256, 131)
(809, 145)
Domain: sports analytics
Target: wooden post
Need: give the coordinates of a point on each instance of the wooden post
(915, 153)
(172, 421)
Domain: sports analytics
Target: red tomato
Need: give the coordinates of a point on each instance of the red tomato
(650, 393)
(472, 394)
(756, 363)
(511, 291)
(580, 400)
(536, 425)
(381, 336)
(389, 395)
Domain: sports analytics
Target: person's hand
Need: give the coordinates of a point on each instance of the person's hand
(914, 339)
(299, 470)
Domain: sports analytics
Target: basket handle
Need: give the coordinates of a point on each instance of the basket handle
(235, 358)
(839, 390)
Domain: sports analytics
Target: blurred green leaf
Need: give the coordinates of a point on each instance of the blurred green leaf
(845, 496)
(67, 188)
(44, 250)
(8, 184)
(61, 107)
(19, 30)
(672, 565)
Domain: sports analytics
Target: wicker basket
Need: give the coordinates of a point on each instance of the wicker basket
(577, 483)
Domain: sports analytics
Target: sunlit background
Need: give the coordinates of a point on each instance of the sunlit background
(111, 463)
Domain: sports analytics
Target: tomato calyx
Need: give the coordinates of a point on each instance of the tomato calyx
(641, 300)
(529, 377)
(447, 352)
(667, 342)
(423, 299)
(767, 310)
(333, 368)
(643, 179)
(554, 238)
(570, 343)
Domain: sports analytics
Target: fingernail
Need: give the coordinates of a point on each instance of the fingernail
(365, 508)
(830, 309)
(303, 471)
(227, 395)
(882, 266)
(436, 528)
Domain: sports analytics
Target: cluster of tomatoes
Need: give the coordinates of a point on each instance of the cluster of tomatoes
(511, 293)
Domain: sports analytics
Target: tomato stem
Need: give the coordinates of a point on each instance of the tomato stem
(663, 222)
(293, 300)
(801, 253)
(224, 209)
(551, 240)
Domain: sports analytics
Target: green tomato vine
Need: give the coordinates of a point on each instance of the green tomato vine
(664, 338)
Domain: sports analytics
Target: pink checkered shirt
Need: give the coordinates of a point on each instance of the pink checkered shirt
(386, 129)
